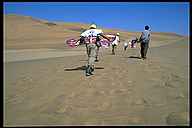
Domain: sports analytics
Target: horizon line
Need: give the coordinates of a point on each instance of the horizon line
(121, 29)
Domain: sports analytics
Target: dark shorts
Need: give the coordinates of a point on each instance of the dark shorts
(144, 48)
(98, 44)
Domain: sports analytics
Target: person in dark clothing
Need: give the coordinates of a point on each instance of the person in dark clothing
(144, 40)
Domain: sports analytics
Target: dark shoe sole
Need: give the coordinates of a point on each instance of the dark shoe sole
(87, 74)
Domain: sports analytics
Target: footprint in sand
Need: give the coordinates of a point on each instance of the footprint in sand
(136, 120)
(55, 105)
(104, 106)
(98, 93)
(91, 121)
(177, 78)
(119, 91)
(152, 69)
(89, 92)
(63, 110)
(180, 96)
(171, 84)
(178, 118)
(130, 83)
(171, 81)
(141, 101)
(72, 95)
(24, 80)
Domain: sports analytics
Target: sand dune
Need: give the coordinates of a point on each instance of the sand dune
(35, 33)
(45, 84)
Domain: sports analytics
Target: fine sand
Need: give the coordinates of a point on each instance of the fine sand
(45, 82)
(125, 90)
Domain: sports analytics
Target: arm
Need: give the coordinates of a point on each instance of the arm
(77, 42)
(105, 37)
(119, 40)
(140, 39)
(149, 37)
(80, 41)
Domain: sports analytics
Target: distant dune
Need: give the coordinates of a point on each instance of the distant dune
(26, 30)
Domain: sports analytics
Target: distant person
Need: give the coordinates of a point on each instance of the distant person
(125, 46)
(133, 42)
(144, 40)
(90, 37)
(115, 43)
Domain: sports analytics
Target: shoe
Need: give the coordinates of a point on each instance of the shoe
(96, 60)
(89, 71)
(92, 69)
(144, 58)
(87, 74)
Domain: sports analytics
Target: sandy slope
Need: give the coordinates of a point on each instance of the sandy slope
(45, 84)
(24, 32)
(124, 90)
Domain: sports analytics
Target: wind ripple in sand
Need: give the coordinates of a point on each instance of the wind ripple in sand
(172, 81)
(104, 106)
(178, 118)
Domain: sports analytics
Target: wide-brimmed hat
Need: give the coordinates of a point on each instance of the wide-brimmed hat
(93, 26)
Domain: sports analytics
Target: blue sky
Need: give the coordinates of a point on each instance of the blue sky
(128, 16)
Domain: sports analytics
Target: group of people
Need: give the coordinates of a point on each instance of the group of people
(92, 36)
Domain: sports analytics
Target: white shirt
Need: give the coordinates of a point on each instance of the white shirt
(125, 44)
(91, 32)
(116, 41)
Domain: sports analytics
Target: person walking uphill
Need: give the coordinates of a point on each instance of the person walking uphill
(82, 40)
(144, 40)
(115, 43)
(91, 38)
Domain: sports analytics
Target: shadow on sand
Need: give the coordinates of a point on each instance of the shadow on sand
(80, 68)
(136, 57)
